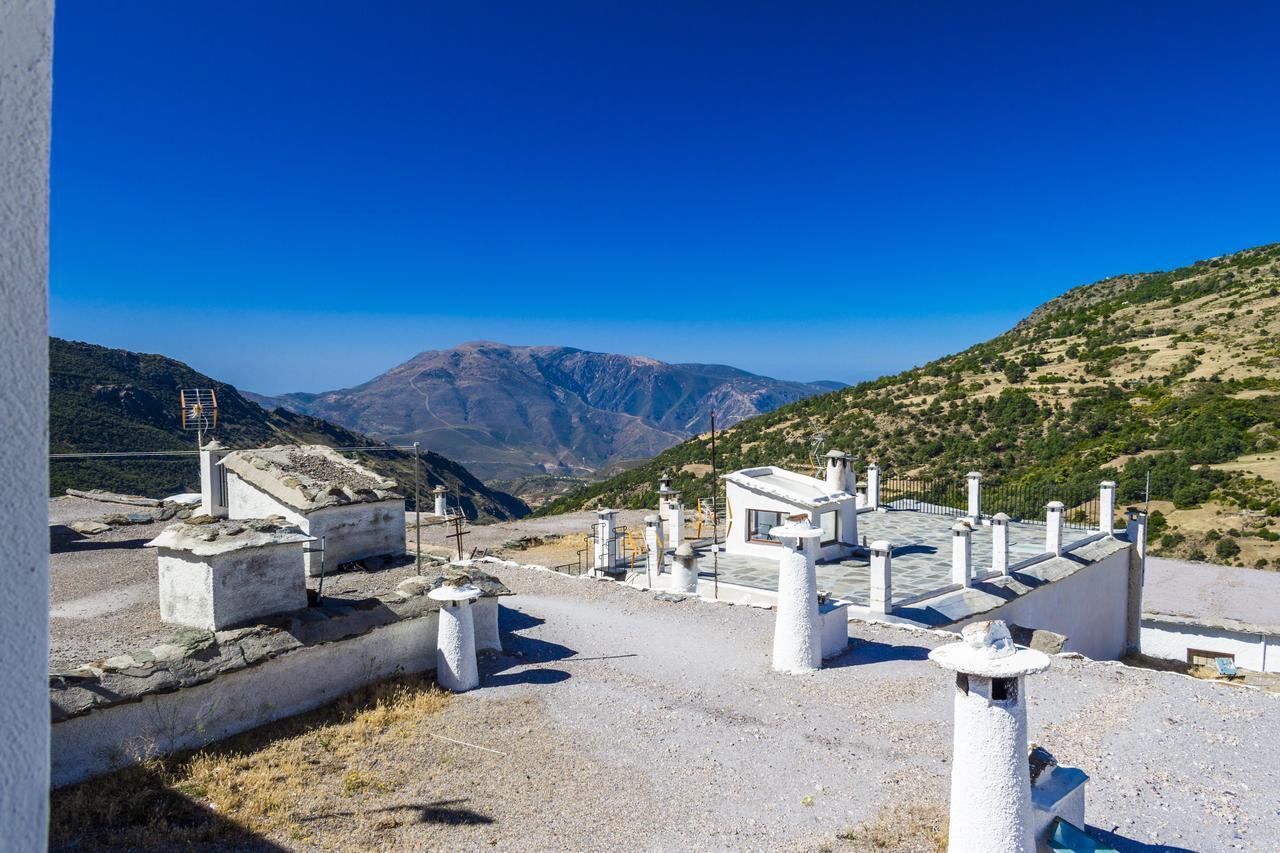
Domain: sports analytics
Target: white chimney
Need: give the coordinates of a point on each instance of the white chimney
(837, 470)
(604, 546)
(684, 570)
(654, 546)
(456, 668)
(873, 485)
(881, 577)
(213, 480)
(1053, 527)
(797, 641)
(442, 505)
(674, 519)
(962, 553)
(975, 496)
(1107, 507)
(1000, 543)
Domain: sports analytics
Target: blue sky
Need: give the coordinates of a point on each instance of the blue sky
(299, 195)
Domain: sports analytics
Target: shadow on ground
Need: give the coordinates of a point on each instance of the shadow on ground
(1125, 845)
(63, 540)
(444, 812)
(863, 652)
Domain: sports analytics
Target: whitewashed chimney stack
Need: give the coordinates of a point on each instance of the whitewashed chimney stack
(442, 504)
(975, 497)
(797, 640)
(881, 577)
(604, 546)
(684, 570)
(962, 553)
(1000, 543)
(1053, 527)
(1107, 507)
(873, 485)
(456, 668)
(213, 482)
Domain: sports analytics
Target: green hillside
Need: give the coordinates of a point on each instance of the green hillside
(1174, 373)
(107, 400)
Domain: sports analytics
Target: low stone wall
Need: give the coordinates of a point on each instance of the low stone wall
(204, 686)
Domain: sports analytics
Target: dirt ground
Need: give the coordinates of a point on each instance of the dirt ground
(618, 720)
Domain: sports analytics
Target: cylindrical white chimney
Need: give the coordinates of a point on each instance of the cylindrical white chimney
(684, 570)
(213, 480)
(1000, 543)
(654, 546)
(442, 505)
(604, 547)
(975, 496)
(456, 668)
(873, 485)
(797, 640)
(962, 553)
(1053, 527)
(881, 577)
(1107, 507)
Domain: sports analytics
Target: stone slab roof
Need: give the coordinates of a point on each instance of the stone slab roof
(308, 477)
(789, 486)
(195, 656)
(205, 536)
(986, 595)
(1228, 597)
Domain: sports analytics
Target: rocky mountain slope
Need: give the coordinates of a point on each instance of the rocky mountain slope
(508, 412)
(1175, 374)
(104, 400)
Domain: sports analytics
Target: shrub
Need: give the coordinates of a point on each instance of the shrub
(1227, 548)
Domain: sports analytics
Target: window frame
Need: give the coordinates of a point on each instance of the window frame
(835, 536)
(751, 526)
(1205, 653)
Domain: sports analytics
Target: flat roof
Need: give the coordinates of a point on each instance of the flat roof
(1207, 594)
(788, 486)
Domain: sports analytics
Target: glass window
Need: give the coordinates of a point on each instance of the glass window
(760, 522)
(830, 521)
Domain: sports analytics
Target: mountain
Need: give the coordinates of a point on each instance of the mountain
(103, 400)
(509, 412)
(1175, 373)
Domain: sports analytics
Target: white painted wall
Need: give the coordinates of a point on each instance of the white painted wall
(1090, 607)
(26, 64)
(352, 532)
(1257, 652)
(225, 590)
(299, 681)
(740, 500)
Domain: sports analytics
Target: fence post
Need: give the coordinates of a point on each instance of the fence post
(873, 485)
(1053, 527)
(1107, 507)
(962, 553)
(975, 496)
(1000, 543)
(881, 577)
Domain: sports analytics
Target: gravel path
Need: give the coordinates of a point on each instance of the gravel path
(633, 722)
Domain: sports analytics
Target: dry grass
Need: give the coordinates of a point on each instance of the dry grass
(916, 827)
(261, 783)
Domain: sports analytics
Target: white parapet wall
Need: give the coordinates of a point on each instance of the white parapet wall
(26, 45)
(1177, 639)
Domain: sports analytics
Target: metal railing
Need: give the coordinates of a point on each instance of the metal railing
(1021, 501)
(934, 496)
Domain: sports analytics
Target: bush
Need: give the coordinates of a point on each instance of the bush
(1172, 540)
(1227, 548)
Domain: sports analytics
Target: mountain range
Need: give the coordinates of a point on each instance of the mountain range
(513, 411)
(1171, 375)
(110, 400)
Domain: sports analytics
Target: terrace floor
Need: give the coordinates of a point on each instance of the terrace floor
(921, 556)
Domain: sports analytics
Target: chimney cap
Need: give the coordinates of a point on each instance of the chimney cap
(214, 444)
(962, 526)
(1000, 518)
(987, 651)
(685, 551)
(973, 474)
(651, 519)
(796, 529)
(882, 545)
(1059, 505)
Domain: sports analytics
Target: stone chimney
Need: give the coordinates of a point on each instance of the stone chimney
(456, 668)
(990, 779)
(962, 553)
(1053, 527)
(213, 480)
(881, 577)
(797, 640)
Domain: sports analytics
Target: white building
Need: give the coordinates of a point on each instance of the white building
(760, 499)
(1197, 612)
(353, 510)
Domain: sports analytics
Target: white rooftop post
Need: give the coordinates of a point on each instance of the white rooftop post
(990, 780)
(975, 496)
(441, 505)
(1053, 527)
(654, 547)
(837, 470)
(873, 485)
(797, 642)
(1000, 543)
(881, 577)
(1136, 533)
(684, 570)
(213, 480)
(604, 548)
(1107, 507)
(860, 490)
(456, 668)
(962, 553)
(674, 519)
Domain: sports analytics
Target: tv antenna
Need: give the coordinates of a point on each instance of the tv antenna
(199, 411)
(817, 445)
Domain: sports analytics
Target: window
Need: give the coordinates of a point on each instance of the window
(1200, 657)
(760, 522)
(830, 521)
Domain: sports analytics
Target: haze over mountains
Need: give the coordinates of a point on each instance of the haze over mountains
(512, 411)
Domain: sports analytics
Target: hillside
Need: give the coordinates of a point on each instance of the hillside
(1176, 373)
(104, 400)
(510, 412)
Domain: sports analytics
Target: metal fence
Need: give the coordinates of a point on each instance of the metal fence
(1024, 502)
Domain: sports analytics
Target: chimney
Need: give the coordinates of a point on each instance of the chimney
(213, 480)
(654, 546)
(881, 577)
(674, 519)
(604, 545)
(837, 470)
(873, 485)
(990, 779)
(684, 570)
(1000, 543)
(442, 505)
(1053, 527)
(975, 497)
(797, 642)
(962, 553)
(456, 668)
(1107, 507)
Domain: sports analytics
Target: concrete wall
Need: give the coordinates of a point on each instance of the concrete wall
(110, 738)
(741, 500)
(354, 531)
(26, 57)
(1170, 641)
(234, 588)
(1090, 607)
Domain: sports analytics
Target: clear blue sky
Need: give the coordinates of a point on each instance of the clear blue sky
(298, 195)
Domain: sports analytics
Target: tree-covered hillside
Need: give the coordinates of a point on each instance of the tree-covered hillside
(1174, 373)
(110, 400)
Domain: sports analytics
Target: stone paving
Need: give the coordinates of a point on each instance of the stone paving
(921, 556)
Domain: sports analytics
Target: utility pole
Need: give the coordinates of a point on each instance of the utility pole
(715, 514)
(417, 506)
(457, 534)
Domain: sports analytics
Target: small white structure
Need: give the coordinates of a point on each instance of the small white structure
(604, 545)
(1107, 507)
(684, 570)
(962, 553)
(975, 496)
(1000, 543)
(1056, 792)
(1053, 527)
(797, 644)
(873, 486)
(1196, 613)
(213, 480)
(761, 499)
(655, 547)
(990, 783)
(441, 507)
(671, 511)
(353, 509)
(881, 598)
(225, 573)
(456, 668)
